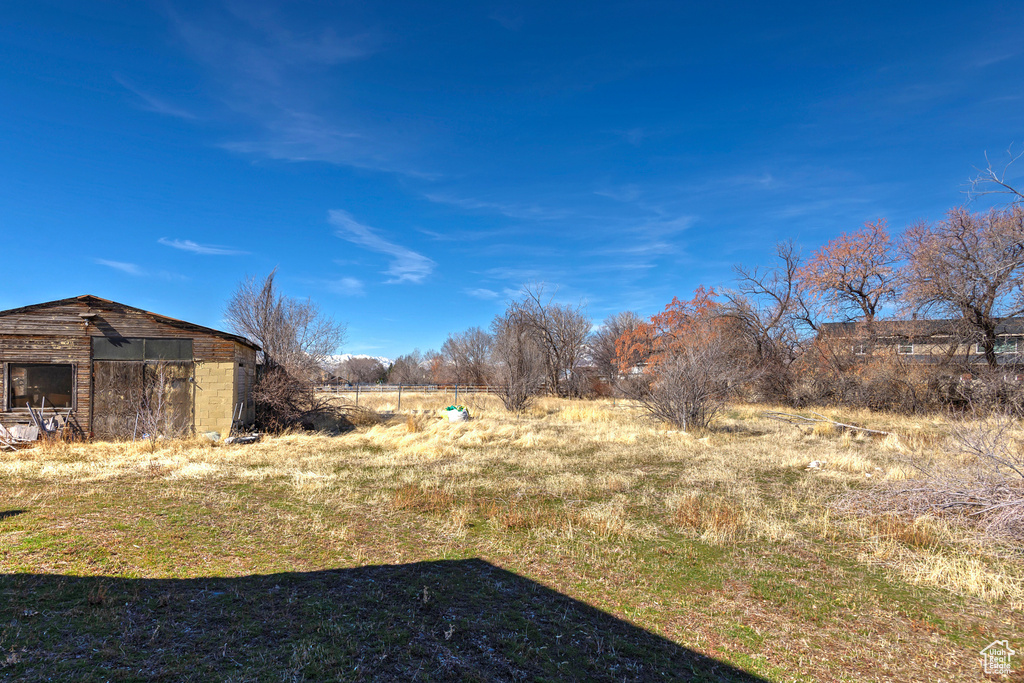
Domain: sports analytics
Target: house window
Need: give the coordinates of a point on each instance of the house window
(29, 384)
(1003, 345)
(860, 349)
(134, 348)
(905, 349)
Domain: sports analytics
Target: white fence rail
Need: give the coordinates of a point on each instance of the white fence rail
(353, 391)
(405, 388)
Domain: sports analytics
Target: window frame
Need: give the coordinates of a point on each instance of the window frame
(144, 356)
(8, 403)
(902, 348)
(979, 348)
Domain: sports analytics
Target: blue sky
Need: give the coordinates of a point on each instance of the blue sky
(411, 165)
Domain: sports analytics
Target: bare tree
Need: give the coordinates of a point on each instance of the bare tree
(969, 267)
(408, 369)
(773, 311)
(468, 353)
(293, 333)
(602, 342)
(362, 370)
(296, 341)
(436, 367)
(991, 180)
(559, 331)
(518, 361)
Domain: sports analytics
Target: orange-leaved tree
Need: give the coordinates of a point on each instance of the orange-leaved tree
(682, 364)
(650, 342)
(854, 275)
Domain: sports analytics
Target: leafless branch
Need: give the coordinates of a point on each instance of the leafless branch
(989, 180)
(983, 482)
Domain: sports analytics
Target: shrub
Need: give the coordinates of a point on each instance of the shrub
(283, 402)
(683, 364)
(982, 485)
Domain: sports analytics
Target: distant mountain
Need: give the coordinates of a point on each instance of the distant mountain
(341, 358)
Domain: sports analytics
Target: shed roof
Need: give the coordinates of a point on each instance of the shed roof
(97, 302)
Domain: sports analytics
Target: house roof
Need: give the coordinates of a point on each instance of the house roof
(914, 328)
(97, 302)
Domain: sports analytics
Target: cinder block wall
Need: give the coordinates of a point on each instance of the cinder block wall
(215, 397)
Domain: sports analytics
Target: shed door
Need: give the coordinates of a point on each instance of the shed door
(134, 399)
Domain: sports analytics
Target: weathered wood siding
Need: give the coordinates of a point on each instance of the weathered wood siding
(59, 334)
(35, 348)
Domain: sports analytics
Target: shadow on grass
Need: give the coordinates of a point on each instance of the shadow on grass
(457, 620)
(4, 514)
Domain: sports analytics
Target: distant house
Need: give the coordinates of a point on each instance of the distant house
(924, 341)
(107, 365)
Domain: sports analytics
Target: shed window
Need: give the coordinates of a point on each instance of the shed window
(134, 348)
(905, 348)
(30, 383)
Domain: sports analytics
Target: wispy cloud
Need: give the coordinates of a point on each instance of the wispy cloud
(483, 293)
(519, 275)
(833, 205)
(205, 249)
(136, 270)
(130, 268)
(346, 286)
(995, 58)
(406, 264)
(290, 135)
(153, 103)
(624, 193)
(764, 180)
(510, 209)
(655, 235)
(506, 293)
(259, 45)
(280, 80)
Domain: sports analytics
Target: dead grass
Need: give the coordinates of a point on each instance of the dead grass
(713, 519)
(588, 497)
(419, 499)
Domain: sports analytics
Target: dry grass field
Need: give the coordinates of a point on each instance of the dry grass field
(576, 542)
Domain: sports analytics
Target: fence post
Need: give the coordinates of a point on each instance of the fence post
(399, 397)
(357, 396)
(456, 393)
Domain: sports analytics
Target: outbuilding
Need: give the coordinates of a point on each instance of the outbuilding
(115, 370)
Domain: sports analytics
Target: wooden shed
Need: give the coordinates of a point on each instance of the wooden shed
(120, 370)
